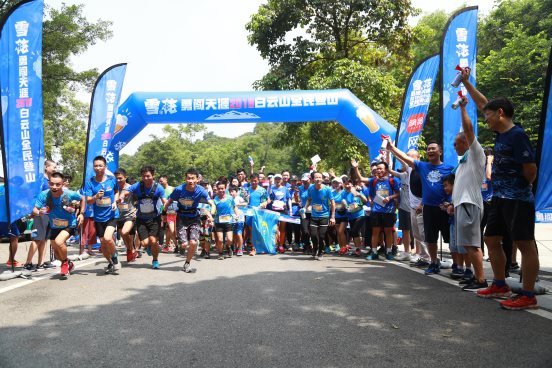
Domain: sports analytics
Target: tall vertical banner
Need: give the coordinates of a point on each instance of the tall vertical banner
(458, 48)
(543, 192)
(103, 115)
(416, 103)
(21, 100)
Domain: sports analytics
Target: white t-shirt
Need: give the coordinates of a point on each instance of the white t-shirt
(469, 176)
(405, 190)
(414, 201)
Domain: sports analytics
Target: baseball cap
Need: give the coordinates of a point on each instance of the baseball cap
(305, 177)
(338, 179)
(294, 178)
(277, 176)
(325, 174)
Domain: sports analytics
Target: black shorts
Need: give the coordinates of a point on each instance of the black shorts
(511, 217)
(385, 220)
(435, 220)
(404, 220)
(121, 223)
(188, 229)
(340, 220)
(223, 228)
(356, 226)
(319, 221)
(101, 226)
(41, 228)
(148, 227)
(55, 232)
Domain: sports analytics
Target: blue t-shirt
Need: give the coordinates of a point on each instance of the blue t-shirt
(59, 217)
(257, 196)
(279, 197)
(44, 183)
(304, 194)
(487, 190)
(102, 207)
(512, 149)
(355, 207)
(146, 200)
(225, 210)
(189, 200)
(385, 188)
(320, 201)
(432, 177)
(340, 208)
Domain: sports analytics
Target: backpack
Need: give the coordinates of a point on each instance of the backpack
(143, 194)
(50, 200)
(375, 181)
(416, 183)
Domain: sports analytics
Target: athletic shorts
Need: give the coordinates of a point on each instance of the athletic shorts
(404, 220)
(121, 223)
(41, 228)
(148, 227)
(385, 220)
(171, 218)
(101, 226)
(435, 220)
(340, 220)
(237, 227)
(511, 217)
(223, 228)
(14, 230)
(319, 221)
(188, 229)
(468, 225)
(356, 226)
(55, 232)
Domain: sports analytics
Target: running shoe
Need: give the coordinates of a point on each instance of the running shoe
(332, 248)
(372, 256)
(514, 267)
(165, 250)
(281, 249)
(344, 250)
(389, 256)
(155, 265)
(239, 253)
(220, 256)
(466, 281)
(115, 262)
(148, 251)
(64, 269)
(71, 266)
(475, 285)
(327, 250)
(468, 274)
(28, 266)
(358, 253)
(230, 253)
(494, 291)
(109, 268)
(130, 256)
(202, 254)
(457, 273)
(187, 268)
(402, 256)
(421, 263)
(175, 250)
(433, 269)
(520, 302)
(15, 264)
(337, 248)
(207, 255)
(320, 256)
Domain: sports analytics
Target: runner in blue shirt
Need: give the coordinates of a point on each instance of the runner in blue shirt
(64, 210)
(257, 197)
(322, 215)
(224, 218)
(305, 213)
(280, 201)
(341, 220)
(100, 191)
(188, 225)
(148, 218)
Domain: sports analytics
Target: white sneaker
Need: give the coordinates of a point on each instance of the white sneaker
(56, 263)
(414, 258)
(403, 256)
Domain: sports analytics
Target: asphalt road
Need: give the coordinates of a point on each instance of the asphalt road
(263, 311)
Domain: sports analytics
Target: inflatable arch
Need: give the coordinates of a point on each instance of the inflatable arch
(142, 108)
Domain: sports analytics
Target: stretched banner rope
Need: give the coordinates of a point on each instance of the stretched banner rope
(142, 108)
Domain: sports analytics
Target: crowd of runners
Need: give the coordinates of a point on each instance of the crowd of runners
(488, 191)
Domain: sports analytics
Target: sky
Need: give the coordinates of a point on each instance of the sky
(187, 46)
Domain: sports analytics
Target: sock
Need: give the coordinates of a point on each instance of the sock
(529, 294)
(499, 283)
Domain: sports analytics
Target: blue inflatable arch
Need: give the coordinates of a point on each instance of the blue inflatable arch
(142, 108)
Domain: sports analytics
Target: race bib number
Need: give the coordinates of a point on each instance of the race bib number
(103, 202)
(225, 219)
(186, 202)
(318, 207)
(60, 223)
(383, 193)
(353, 207)
(147, 206)
(278, 205)
(171, 211)
(123, 207)
(339, 206)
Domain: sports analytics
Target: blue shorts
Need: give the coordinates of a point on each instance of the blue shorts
(237, 227)
(452, 244)
(11, 231)
(249, 220)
